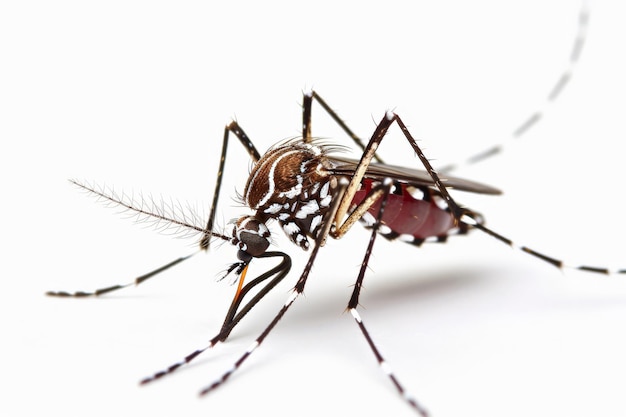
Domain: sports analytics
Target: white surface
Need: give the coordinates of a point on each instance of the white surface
(136, 95)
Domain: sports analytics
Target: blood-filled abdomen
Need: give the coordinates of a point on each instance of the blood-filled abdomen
(407, 215)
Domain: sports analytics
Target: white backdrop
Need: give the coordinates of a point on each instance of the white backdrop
(135, 94)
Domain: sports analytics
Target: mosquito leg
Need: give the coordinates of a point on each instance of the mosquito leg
(368, 155)
(233, 317)
(357, 213)
(354, 302)
(109, 196)
(455, 210)
(253, 346)
(359, 172)
(136, 281)
(172, 368)
(298, 289)
(254, 154)
(471, 222)
(555, 91)
(307, 103)
(385, 367)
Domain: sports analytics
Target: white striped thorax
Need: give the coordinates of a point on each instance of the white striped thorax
(291, 184)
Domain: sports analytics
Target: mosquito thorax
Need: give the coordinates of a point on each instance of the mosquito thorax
(252, 237)
(291, 183)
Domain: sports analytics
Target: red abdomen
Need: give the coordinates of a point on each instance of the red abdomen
(407, 215)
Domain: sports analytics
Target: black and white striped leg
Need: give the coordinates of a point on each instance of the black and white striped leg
(109, 196)
(471, 222)
(295, 293)
(354, 302)
(552, 95)
(292, 297)
(386, 368)
(106, 290)
(234, 314)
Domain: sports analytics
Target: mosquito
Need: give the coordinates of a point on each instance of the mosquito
(314, 194)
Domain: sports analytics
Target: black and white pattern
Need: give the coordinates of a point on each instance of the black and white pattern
(314, 195)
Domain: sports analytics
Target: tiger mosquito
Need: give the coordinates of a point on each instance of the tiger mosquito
(314, 194)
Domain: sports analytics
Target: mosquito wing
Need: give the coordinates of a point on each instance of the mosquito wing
(416, 177)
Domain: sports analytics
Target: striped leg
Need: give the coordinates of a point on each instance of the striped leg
(385, 367)
(298, 289)
(234, 314)
(255, 344)
(164, 217)
(101, 291)
(469, 220)
(354, 302)
(553, 94)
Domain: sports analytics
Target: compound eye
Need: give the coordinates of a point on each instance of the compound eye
(252, 236)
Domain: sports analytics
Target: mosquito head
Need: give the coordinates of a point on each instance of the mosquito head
(252, 237)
